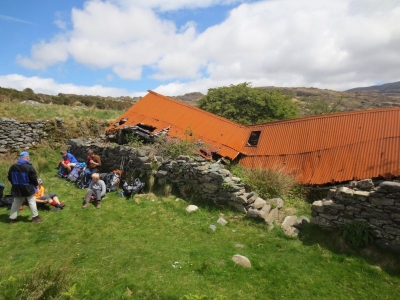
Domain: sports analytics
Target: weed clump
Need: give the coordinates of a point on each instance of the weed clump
(357, 234)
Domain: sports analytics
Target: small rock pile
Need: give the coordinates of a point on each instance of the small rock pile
(362, 201)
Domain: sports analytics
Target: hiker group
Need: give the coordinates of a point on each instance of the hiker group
(28, 189)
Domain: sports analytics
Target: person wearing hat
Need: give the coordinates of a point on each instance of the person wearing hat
(23, 178)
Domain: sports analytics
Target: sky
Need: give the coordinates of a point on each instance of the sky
(126, 47)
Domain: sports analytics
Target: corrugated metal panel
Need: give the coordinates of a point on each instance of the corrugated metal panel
(161, 112)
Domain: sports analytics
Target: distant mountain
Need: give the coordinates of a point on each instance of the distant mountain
(388, 89)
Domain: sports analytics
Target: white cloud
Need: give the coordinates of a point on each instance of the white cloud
(50, 86)
(330, 44)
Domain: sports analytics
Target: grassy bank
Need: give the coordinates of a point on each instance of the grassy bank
(23, 112)
(151, 248)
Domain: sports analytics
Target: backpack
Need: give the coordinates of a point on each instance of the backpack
(6, 201)
(83, 180)
(111, 180)
(135, 188)
(74, 175)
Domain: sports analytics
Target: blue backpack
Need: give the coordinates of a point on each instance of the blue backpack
(74, 175)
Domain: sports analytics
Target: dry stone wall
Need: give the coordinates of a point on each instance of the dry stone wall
(20, 135)
(379, 206)
(191, 175)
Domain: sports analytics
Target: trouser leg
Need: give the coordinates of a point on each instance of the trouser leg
(89, 194)
(32, 205)
(97, 194)
(17, 202)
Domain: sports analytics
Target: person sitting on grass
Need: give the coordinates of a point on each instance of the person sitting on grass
(93, 164)
(66, 164)
(52, 199)
(95, 192)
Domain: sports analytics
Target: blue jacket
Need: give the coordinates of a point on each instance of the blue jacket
(23, 178)
(71, 158)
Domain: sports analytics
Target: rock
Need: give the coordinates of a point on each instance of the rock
(259, 203)
(222, 221)
(277, 202)
(289, 222)
(161, 174)
(238, 206)
(365, 184)
(390, 186)
(241, 260)
(239, 246)
(212, 227)
(191, 208)
(2, 150)
(301, 222)
(251, 197)
(254, 213)
(272, 216)
(266, 209)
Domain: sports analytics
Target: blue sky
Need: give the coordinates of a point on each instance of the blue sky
(123, 47)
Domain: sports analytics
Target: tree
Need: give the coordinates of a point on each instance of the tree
(246, 105)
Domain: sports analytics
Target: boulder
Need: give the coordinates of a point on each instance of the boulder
(365, 184)
(191, 208)
(259, 203)
(241, 260)
(272, 216)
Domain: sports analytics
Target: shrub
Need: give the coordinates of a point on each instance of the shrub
(357, 234)
(268, 183)
(172, 148)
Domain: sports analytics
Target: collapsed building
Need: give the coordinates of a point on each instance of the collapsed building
(317, 150)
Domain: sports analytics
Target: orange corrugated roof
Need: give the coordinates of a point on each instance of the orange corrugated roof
(327, 148)
(318, 149)
(160, 111)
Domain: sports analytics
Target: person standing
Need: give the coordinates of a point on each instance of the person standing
(23, 178)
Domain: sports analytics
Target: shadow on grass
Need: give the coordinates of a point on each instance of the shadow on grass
(5, 218)
(312, 235)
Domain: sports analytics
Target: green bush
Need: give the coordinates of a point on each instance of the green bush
(268, 183)
(172, 148)
(357, 234)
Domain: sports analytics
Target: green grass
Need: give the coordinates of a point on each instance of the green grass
(126, 250)
(32, 112)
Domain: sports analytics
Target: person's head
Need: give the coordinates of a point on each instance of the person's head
(95, 177)
(63, 153)
(40, 181)
(24, 155)
(90, 153)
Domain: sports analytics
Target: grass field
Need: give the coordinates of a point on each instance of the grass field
(34, 112)
(151, 248)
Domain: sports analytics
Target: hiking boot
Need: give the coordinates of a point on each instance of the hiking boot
(37, 220)
(86, 205)
(12, 221)
(98, 205)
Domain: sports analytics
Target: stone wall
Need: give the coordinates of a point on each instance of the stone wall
(377, 205)
(191, 175)
(20, 135)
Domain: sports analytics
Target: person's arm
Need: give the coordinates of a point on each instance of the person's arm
(90, 185)
(97, 161)
(9, 176)
(103, 187)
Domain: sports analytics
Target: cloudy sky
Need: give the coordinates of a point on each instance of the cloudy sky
(126, 47)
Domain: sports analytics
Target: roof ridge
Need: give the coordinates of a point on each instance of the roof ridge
(324, 116)
(196, 108)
